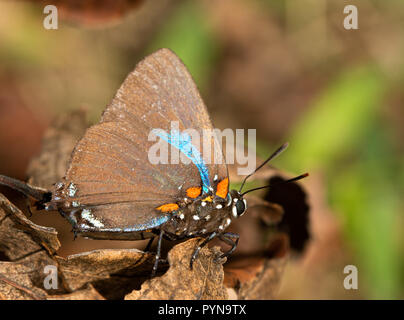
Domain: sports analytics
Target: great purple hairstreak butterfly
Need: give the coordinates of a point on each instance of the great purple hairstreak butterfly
(112, 191)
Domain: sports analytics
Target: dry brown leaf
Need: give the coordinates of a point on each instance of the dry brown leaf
(204, 282)
(25, 250)
(113, 272)
(46, 237)
(16, 283)
(88, 293)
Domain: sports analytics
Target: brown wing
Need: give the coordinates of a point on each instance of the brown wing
(110, 169)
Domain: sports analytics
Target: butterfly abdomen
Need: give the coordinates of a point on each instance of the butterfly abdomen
(198, 218)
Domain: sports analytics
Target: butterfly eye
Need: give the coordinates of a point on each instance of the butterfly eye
(239, 208)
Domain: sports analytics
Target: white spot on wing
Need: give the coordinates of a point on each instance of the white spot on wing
(71, 190)
(58, 185)
(88, 216)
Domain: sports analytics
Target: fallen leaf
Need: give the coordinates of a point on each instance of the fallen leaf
(16, 284)
(113, 272)
(25, 249)
(88, 293)
(205, 281)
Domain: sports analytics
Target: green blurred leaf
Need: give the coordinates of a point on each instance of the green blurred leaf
(187, 34)
(365, 195)
(337, 119)
(342, 137)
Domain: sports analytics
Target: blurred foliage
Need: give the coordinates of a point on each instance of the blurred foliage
(342, 137)
(367, 194)
(337, 119)
(189, 36)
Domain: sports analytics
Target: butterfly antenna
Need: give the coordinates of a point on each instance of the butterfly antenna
(272, 156)
(277, 184)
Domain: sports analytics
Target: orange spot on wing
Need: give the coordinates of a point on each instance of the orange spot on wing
(169, 207)
(223, 188)
(193, 192)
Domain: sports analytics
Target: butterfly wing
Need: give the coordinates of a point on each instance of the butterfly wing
(111, 177)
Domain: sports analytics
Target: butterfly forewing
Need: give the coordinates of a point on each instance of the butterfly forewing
(110, 168)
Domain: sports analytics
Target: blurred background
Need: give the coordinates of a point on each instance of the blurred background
(287, 68)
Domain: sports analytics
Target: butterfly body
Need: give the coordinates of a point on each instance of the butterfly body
(199, 217)
(188, 217)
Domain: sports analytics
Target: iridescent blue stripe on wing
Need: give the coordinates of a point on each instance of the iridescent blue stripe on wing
(182, 141)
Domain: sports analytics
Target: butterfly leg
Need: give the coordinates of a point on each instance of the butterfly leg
(228, 238)
(204, 243)
(158, 252)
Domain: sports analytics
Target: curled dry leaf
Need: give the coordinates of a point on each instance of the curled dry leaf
(205, 281)
(44, 236)
(24, 250)
(113, 272)
(88, 293)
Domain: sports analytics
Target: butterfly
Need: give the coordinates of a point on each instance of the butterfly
(111, 189)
